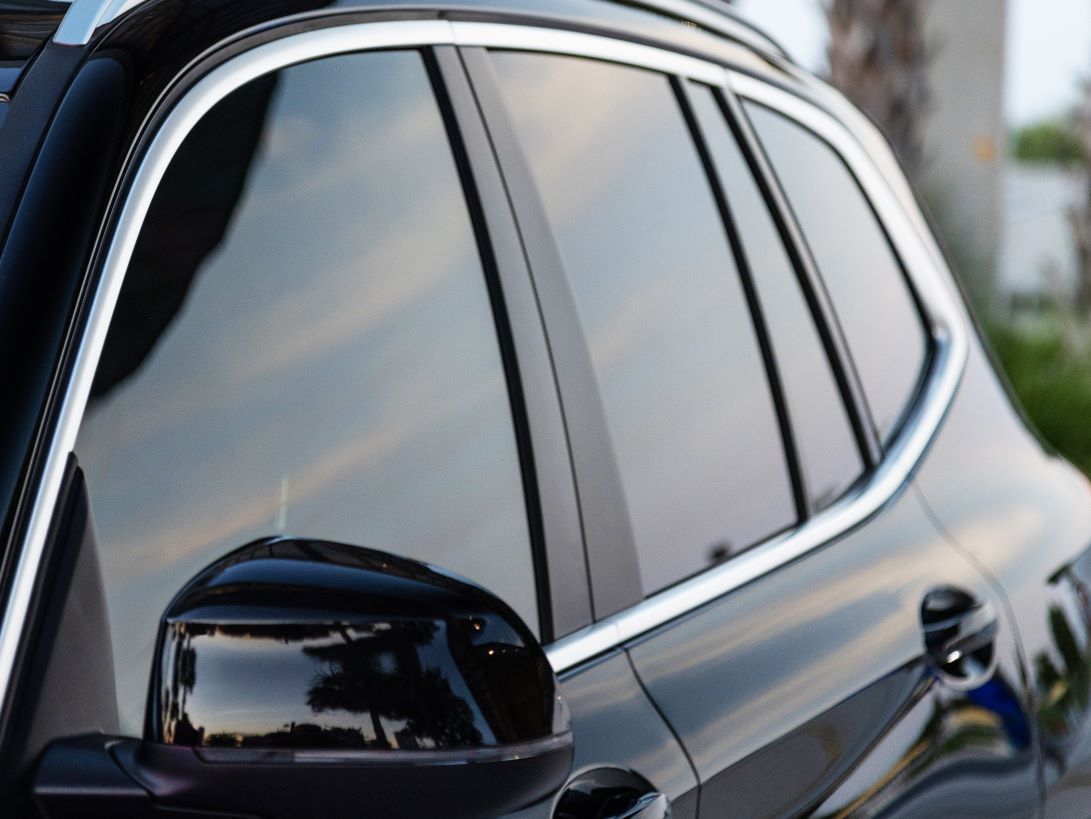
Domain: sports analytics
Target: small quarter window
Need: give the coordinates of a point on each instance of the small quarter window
(827, 450)
(870, 294)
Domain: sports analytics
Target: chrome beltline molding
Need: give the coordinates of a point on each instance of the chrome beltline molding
(944, 312)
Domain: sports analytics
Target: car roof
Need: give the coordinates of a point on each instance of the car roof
(84, 19)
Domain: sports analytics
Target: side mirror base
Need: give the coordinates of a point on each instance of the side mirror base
(96, 775)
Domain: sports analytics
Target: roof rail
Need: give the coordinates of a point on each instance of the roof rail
(85, 16)
(721, 17)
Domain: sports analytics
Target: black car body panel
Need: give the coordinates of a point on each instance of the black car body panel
(818, 684)
(733, 677)
(1034, 498)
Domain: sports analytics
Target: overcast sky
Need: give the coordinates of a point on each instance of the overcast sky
(1049, 47)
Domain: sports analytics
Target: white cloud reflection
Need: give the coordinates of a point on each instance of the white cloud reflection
(339, 344)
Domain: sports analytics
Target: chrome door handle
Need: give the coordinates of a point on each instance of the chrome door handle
(649, 806)
(959, 634)
(611, 793)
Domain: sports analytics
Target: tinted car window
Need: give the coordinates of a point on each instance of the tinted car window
(870, 294)
(681, 377)
(304, 345)
(827, 450)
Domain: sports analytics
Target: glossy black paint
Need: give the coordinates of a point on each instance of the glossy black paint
(611, 792)
(56, 151)
(615, 726)
(97, 775)
(57, 155)
(1022, 514)
(303, 677)
(809, 690)
(324, 645)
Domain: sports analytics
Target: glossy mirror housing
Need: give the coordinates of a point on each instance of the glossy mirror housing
(296, 644)
(304, 678)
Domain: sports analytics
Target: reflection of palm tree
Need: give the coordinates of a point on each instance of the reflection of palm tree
(879, 59)
(1063, 693)
(183, 677)
(380, 673)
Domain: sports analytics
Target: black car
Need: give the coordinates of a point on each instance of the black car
(537, 408)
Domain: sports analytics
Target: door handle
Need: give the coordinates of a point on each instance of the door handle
(959, 635)
(611, 793)
(649, 806)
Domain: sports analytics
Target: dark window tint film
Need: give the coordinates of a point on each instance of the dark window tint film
(828, 454)
(680, 373)
(304, 345)
(870, 294)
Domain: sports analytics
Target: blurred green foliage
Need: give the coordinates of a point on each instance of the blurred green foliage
(1047, 358)
(1047, 142)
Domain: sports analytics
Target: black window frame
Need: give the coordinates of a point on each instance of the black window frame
(609, 544)
(810, 280)
(835, 347)
(875, 442)
(560, 561)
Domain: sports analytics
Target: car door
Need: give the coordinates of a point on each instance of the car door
(314, 320)
(806, 629)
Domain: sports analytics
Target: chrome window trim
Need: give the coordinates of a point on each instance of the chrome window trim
(946, 320)
(949, 329)
(527, 38)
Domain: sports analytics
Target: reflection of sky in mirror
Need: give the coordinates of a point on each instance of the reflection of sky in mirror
(333, 373)
(830, 458)
(679, 371)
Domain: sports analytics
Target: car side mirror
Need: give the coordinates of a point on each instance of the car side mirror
(297, 677)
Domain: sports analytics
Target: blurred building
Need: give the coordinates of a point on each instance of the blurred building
(965, 178)
(963, 132)
(1037, 259)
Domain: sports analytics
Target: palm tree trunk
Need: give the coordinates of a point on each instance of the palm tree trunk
(879, 60)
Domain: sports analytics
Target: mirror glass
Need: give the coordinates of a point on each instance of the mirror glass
(304, 644)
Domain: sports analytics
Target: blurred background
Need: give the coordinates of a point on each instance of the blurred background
(988, 104)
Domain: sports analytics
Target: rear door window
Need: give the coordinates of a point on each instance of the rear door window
(681, 376)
